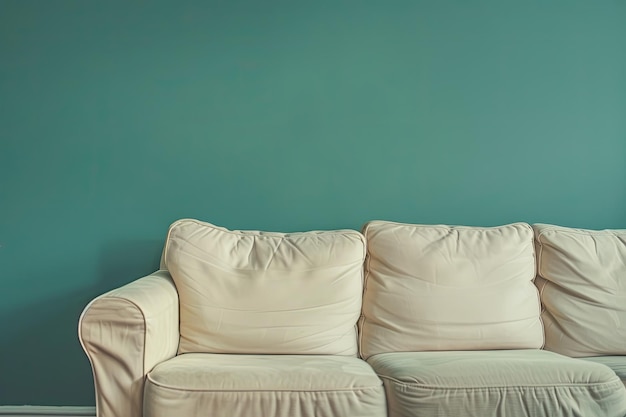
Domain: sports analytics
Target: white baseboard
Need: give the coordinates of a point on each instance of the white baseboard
(43, 411)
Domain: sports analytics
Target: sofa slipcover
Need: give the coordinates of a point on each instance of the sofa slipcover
(250, 323)
(582, 279)
(616, 363)
(207, 385)
(506, 383)
(451, 323)
(125, 333)
(260, 292)
(242, 323)
(449, 288)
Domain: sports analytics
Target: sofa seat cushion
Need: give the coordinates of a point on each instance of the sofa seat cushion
(254, 292)
(616, 363)
(197, 384)
(512, 383)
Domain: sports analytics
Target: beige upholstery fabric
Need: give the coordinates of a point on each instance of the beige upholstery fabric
(449, 288)
(616, 363)
(508, 383)
(259, 292)
(582, 280)
(125, 333)
(201, 384)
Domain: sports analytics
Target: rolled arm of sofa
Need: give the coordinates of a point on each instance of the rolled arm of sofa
(125, 333)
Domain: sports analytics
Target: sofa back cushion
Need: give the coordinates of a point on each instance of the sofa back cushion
(449, 288)
(257, 292)
(582, 282)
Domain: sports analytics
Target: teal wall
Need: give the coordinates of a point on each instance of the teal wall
(117, 118)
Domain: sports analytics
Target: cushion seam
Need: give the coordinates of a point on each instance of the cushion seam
(547, 385)
(165, 386)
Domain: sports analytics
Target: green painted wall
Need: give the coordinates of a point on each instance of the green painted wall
(117, 118)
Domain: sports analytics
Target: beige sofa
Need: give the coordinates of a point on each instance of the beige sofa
(399, 320)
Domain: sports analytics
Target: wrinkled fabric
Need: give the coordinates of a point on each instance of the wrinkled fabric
(200, 384)
(449, 288)
(508, 383)
(616, 363)
(125, 333)
(582, 280)
(299, 295)
(260, 292)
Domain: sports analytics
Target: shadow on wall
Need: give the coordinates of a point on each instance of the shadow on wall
(41, 361)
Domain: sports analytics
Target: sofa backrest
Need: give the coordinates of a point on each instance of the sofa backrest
(582, 282)
(449, 288)
(266, 293)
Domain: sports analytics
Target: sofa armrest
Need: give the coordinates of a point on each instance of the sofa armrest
(125, 333)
